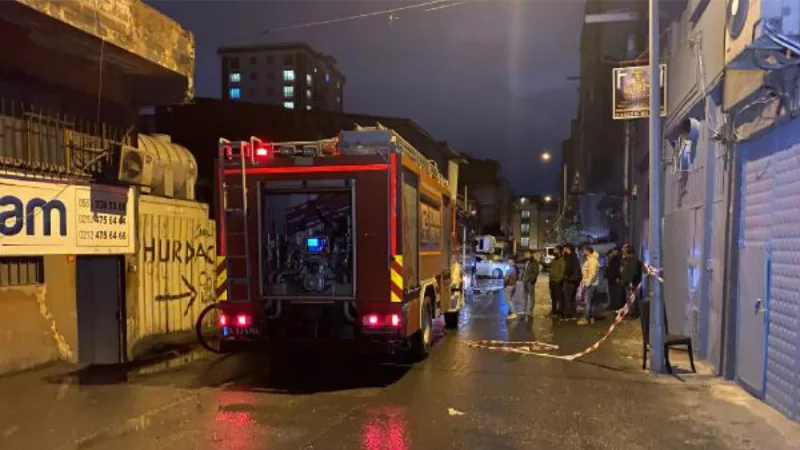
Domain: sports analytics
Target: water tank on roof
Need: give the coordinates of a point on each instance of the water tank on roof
(174, 172)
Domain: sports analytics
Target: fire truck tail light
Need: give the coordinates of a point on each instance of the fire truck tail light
(262, 152)
(372, 320)
(379, 321)
(243, 320)
(223, 320)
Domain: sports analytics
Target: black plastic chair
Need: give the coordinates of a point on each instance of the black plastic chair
(670, 340)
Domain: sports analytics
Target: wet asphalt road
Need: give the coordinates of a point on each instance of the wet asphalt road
(460, 398)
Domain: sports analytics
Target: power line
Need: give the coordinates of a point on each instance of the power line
(433, 5)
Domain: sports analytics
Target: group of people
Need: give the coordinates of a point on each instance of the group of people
(572, 281)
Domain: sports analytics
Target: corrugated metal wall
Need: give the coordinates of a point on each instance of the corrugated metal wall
(770, 207)
(171, 276)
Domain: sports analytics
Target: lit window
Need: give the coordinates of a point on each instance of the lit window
(526, 214)
(327, 78)
(235, 77)
(525, 228)
(308, 107)
(316, 69)
(288, 91)
(338, 99)
(308, 93)
(525, 242)
(288, 75)
(308, 79)
(288, 105)
(235, 93)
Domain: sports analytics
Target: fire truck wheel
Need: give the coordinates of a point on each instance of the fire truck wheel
(497, 274)
(422, 341)
(451, 320)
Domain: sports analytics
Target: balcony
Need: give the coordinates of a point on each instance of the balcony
(146, 58)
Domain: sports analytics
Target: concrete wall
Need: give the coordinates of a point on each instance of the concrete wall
(41, 320)
(694, 48)
(130, 25)
(695, 191)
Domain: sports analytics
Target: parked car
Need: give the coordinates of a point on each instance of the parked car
(485, 267)
(547, 258)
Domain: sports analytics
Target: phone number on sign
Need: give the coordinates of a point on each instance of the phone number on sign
(102, 219)
(89, 235)
(105, 205)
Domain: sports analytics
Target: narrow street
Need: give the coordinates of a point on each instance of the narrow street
(461, 397)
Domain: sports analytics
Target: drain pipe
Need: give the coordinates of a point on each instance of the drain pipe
(727, 366)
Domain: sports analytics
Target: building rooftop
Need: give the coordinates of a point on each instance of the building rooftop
(282, 46)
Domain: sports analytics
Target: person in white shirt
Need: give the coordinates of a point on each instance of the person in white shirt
(589, 281)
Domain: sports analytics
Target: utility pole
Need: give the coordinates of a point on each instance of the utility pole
(464, 232)
(654, 240)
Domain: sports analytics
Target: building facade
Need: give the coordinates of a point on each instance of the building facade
(291, 75)
(532, 220)
(597, 156)
(729, 171)
(70, 86)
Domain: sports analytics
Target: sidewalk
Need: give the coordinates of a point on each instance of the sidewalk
(734, 415)
(62, 407)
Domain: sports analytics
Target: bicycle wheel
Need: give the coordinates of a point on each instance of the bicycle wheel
(209, 333)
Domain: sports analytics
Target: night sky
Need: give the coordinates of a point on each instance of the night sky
(489, 77)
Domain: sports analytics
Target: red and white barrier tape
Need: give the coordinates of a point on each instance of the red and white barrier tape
(520, 347)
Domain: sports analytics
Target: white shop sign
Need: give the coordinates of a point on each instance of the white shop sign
(40, 218)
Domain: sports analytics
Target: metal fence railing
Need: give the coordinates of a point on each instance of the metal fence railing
(52, 143)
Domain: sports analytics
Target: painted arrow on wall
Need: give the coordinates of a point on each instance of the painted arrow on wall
(191, 293)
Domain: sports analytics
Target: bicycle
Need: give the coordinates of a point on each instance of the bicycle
(208, 330)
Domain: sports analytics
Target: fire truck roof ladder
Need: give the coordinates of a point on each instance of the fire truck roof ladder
(428, 165)
(233, 155)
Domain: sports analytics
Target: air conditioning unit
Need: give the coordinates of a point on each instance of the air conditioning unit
(750, 23)
(136, 166)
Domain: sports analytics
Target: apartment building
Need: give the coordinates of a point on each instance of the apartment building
(292, 75)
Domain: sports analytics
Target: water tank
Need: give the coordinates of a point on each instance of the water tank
(174, 170)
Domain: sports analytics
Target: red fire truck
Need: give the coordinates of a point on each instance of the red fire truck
(345, 239)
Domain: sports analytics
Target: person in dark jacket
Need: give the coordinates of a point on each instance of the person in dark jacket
(572, 278)
(631, 275)
(557, 283)
(530, 273)
(616, 296)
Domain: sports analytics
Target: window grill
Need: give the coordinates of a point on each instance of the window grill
(51, 143)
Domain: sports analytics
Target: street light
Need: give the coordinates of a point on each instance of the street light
(548, 198)
(546, 156)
